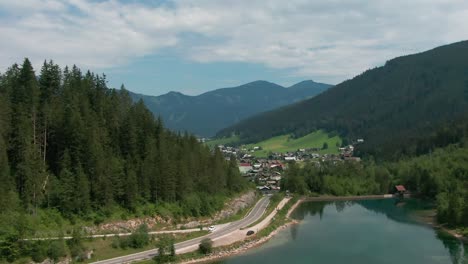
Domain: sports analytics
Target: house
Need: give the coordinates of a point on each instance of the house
(264, 189)
(400, 189)
(275, 178)
(290, 158)
(245, 167)
(360, 140)
(354, 159)
(315, 155)
(276, 164)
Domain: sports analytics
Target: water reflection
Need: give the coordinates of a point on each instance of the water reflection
(294, 230)
(355, 232)
(456, 249)
(340, 206)
(399, 210)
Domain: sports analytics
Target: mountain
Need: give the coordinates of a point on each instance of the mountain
(207, 113)
(395, 108)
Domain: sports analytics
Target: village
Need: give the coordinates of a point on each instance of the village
(267, 172)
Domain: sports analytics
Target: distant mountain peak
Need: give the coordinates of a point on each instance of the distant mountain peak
(305, 84)
(175, 93)
(261, 82)
(207, 113)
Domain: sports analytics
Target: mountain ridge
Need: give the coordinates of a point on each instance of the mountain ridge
(207, 113)
(408, 98)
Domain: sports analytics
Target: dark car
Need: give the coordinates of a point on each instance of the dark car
(250, 232)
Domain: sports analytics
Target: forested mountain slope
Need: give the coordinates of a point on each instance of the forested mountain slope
(68, 144)
(394, 107)
(207, 113)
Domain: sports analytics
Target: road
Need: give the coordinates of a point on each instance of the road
(190, 245)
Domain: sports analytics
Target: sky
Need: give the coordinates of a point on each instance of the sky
(194, 46)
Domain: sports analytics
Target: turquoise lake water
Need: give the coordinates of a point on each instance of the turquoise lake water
(358, 232)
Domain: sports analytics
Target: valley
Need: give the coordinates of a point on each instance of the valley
(370, 169)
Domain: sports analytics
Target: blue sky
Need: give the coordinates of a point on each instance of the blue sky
(194, 46)
(152, 74)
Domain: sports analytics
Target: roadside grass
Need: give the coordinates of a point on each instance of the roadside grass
(285, 143)
(274, 201)
(279, 220)
(240, 214)
(103, 247)
(50, 223)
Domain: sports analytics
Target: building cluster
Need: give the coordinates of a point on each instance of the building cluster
(267, 172)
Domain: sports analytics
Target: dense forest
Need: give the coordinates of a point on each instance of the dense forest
(72, 148)
(397, 108)
(441, 176)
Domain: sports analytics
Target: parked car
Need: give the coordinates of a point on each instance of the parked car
(250, 232)
(211, 228)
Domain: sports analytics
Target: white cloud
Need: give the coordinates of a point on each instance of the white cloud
(330, 39)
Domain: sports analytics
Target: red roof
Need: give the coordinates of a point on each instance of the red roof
(400, 188)
(245, 165)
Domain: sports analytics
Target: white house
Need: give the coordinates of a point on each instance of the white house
(245, 167)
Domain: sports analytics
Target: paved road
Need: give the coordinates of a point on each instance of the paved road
(255, 214)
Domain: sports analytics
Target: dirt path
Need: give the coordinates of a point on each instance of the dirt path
(128, 234)
(346, 198)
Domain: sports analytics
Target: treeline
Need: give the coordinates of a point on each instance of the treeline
(441, 176)
(69, 143)
(397, 108)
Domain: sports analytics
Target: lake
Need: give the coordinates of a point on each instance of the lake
(358, 232)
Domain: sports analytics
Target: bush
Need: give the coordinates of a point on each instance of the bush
(325, 145)
(56, 250)
(140, 237)
(38, 251)
(206, 246)
(115, 242)
(166, 249)
(75, 244)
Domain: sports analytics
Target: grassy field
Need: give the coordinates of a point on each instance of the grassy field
(222, 141)
(285, 143)
(103, 246)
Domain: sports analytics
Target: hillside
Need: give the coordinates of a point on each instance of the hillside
(73, 151)
(285, 143)
(207, 113)
(394, 107)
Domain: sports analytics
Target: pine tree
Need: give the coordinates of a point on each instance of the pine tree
(235, 182)
(69, 142)
(81, 195)
(131, 189)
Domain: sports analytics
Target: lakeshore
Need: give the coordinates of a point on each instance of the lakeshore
(238, 242)
(243, 246)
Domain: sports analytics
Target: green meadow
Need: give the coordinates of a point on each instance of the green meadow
(222, 141)
(286, 143)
